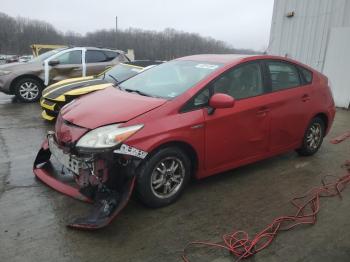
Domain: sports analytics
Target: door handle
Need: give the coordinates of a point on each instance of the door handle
(305, 98)
(263, 111)
(76, 68)
(197, 126)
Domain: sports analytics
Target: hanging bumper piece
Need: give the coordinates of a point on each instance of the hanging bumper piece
(106, 180)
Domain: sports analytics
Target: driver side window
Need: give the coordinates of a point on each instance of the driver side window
(68, 58)
(241, 82)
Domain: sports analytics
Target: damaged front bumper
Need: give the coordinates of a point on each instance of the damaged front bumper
(105, 179)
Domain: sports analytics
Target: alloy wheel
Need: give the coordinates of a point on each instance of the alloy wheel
(314, 136)
(29, 91)
(167, 177)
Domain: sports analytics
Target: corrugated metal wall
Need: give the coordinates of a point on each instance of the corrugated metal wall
(304, 36)
(337, 65)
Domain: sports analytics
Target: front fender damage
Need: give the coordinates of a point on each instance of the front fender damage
(106, 180)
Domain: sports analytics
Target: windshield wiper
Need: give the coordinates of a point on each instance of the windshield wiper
(114, 78)
(136, 91)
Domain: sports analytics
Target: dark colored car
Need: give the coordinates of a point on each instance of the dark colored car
(27, 80)
(191, 117)
(54, 97)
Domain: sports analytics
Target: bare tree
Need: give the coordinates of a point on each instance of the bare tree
(17, 34)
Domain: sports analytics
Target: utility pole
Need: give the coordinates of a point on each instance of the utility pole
(116, 31)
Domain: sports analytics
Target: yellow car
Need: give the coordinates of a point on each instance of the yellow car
(55, 96)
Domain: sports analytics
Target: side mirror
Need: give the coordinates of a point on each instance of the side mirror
(54, 62)
(220, 100)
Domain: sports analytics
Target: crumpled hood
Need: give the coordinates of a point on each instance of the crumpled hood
(108, 106)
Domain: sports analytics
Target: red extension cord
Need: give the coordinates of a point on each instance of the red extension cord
(241, 246)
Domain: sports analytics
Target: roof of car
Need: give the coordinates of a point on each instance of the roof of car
(144, 63)
(95, 48)
(216, 58)
(104, 48)
(233, 58)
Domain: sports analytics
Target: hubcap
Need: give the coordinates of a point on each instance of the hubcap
(167, 177)
(314, 136)
(29, 90)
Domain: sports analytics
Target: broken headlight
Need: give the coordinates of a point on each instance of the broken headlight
(106, 137)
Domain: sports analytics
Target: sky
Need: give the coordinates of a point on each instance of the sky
(240, 23)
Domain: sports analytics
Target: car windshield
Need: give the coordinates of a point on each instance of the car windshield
(121, 72)
(45, 55)
(170, 79)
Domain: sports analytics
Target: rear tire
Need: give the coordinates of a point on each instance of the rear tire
(28, 90)
(163, 177)
(313, 137)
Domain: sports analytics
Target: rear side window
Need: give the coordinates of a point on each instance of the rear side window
(94, 56)
(283, 75)
(307, 74)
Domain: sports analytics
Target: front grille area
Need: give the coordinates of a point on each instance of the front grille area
(66, 133)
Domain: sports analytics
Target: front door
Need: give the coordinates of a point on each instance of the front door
(236, 135)
(69, 66)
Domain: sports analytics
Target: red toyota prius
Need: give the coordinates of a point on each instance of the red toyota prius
(194, 116)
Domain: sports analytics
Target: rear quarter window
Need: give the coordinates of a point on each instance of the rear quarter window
(306, 74)
(111, 55)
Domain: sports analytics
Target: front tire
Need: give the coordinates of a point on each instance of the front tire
(163, 177)
(313, 137)
(28, 90)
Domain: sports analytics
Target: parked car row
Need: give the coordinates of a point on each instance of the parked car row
(27, 80)
(54, 97)
(6, 59)
(194, 116)
(25, 58)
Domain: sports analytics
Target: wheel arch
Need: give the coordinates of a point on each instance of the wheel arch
(324, 118)
(18, 78)
(186, 147)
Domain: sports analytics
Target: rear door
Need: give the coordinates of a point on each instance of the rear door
(289, 103)
(98, 61)
(239, 134)
(70, 65)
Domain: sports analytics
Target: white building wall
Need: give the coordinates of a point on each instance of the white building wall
(307, 37)
(304, 36)
(337, 65)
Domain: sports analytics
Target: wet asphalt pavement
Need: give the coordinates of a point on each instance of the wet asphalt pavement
(33, 216)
